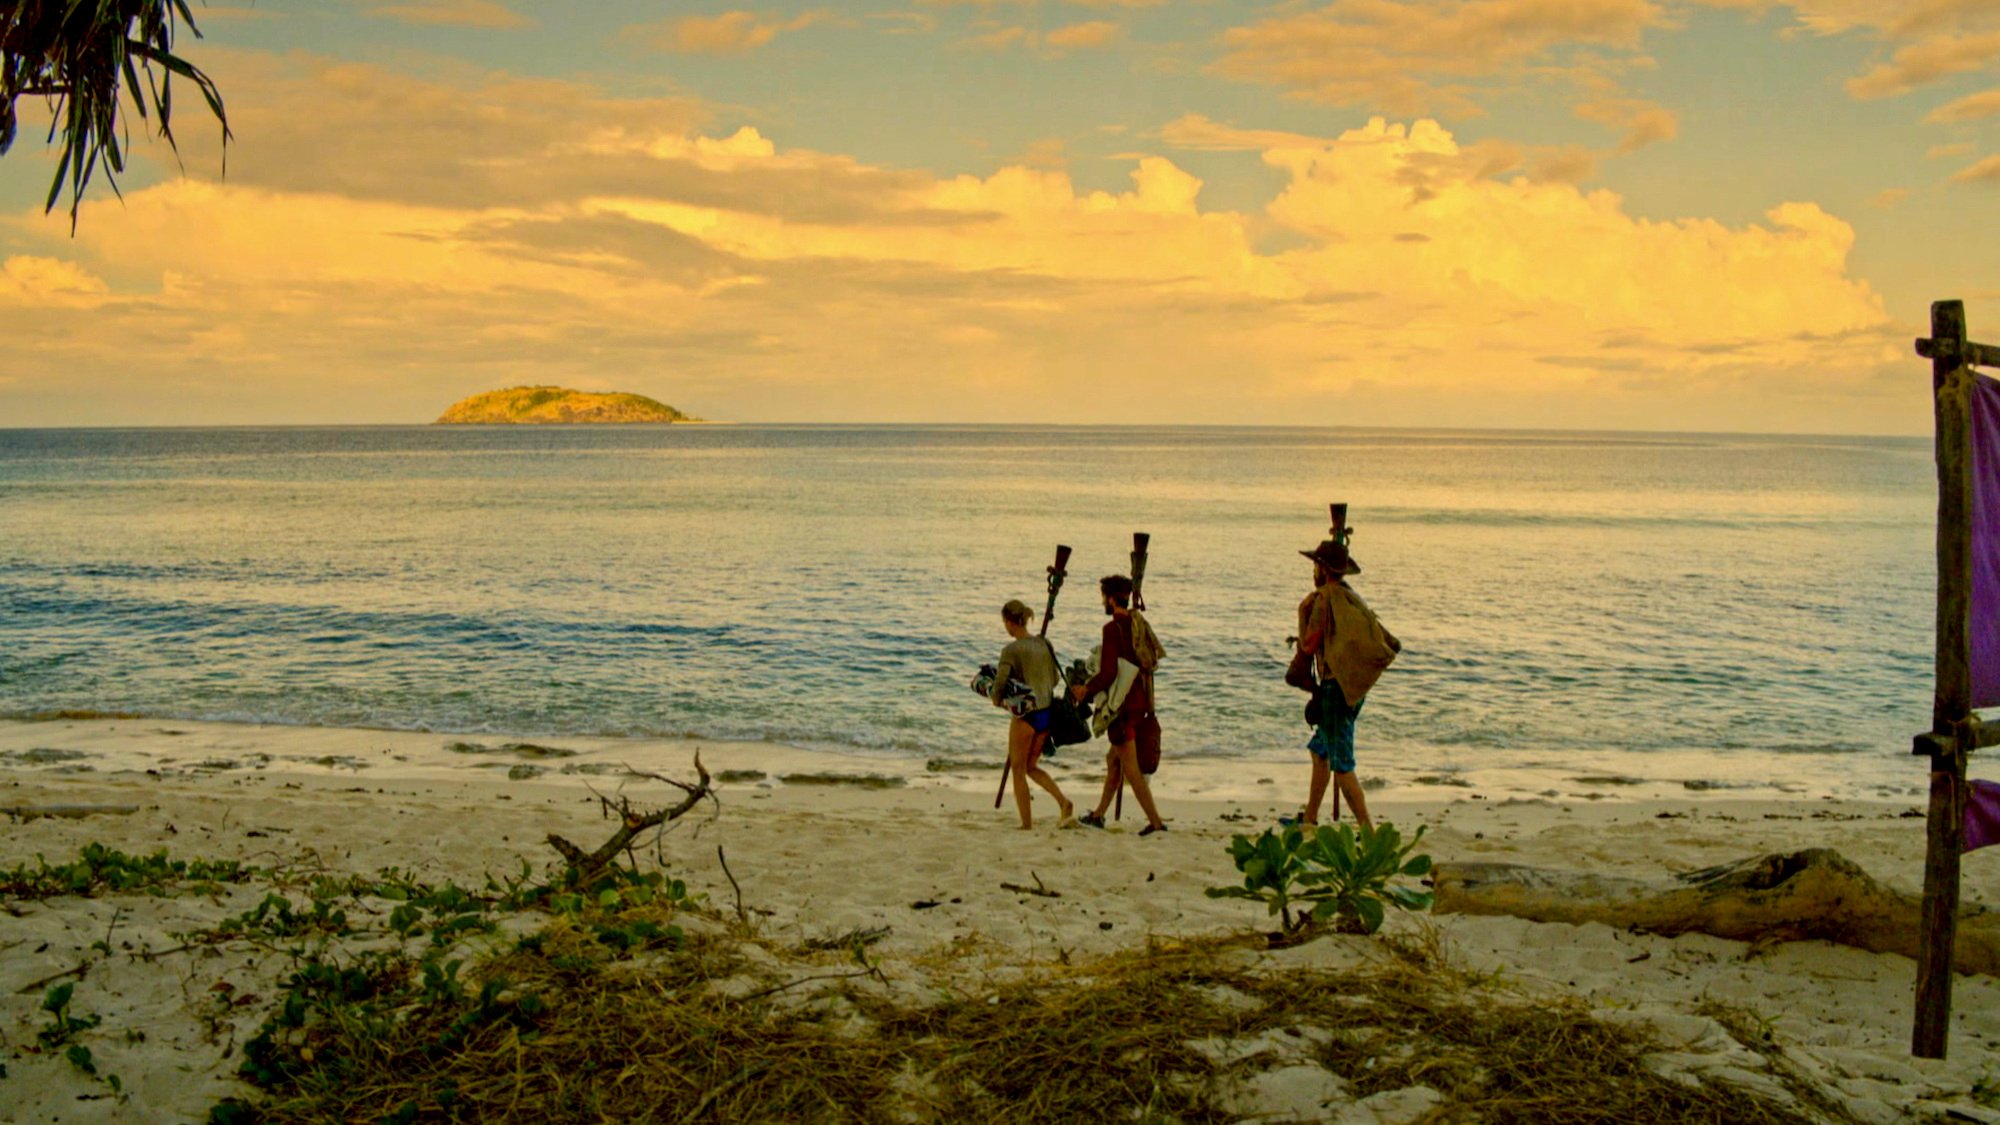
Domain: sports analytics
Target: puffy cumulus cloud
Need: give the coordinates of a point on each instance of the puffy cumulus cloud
(1427, 56)
(1521, 255)
(1419, 280)
(1562, 163)
(450, 13)
(731, 33)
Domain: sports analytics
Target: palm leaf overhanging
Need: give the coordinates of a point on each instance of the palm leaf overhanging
(77, 54)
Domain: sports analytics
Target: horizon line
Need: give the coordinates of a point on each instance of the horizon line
(707, 423)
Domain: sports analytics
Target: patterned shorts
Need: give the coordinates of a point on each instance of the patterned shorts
(1333, 738)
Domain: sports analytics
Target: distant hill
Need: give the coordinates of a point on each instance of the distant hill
(556, 406)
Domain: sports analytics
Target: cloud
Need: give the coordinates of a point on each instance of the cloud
(1560, 163)
(1887, 198)
(1935, 39)
(1095, 33)
(991, 36)
(905, 23)
(1939, 152)
(1642, 122)
(451, 13)
(1194, 131)
(1922, 63)
(1410, 57)
(40, 282)
(1986, 171)
(309, 124)
(731, 33)
(1972, 107)
(637, 244)
(1001, 38)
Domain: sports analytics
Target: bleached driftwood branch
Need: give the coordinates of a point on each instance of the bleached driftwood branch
(1811, 894)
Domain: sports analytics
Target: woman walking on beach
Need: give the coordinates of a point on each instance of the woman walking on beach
(1031, 660)
(1121, 763)
(1351, 650)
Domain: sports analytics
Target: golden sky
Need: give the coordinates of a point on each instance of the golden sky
(1523, 213)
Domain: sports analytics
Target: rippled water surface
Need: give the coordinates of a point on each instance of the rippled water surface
(1563, 597)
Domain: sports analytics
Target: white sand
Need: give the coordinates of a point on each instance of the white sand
(826, 859)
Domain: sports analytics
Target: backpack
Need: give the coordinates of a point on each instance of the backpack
(1147, 651)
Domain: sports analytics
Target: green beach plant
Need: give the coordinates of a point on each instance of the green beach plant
(1329, 873)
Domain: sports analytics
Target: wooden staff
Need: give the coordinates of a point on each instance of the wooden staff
(1338, 531)
(1140, 542)
(1057, 573)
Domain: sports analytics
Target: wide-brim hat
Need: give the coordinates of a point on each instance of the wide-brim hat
(1332, 554)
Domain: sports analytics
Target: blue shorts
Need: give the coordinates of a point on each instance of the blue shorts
(1038, 720)
(1333, 738)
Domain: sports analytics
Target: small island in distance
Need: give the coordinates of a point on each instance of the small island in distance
(555, 406)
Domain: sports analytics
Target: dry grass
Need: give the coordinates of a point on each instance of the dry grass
(660, 1038)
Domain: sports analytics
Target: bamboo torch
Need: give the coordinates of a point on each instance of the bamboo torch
(1057, 573)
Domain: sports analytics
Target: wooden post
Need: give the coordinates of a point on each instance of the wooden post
(1951, 709)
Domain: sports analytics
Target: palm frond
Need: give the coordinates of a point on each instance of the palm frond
(78, 54)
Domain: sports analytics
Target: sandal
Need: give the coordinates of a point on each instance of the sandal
(1090, 820)
(1152, 828)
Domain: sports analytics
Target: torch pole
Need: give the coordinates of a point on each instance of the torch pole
(1140, 542)
(1339, 532)
(1057, 573)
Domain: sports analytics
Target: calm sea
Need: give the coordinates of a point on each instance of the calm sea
(1707, 610)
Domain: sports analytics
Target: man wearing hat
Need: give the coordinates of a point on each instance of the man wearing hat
(1351, 651)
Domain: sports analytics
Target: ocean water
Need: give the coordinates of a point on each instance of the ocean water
(1679, 610)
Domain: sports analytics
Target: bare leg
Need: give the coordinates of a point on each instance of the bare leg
(1128, 761)
(1350, 787)
(1316, 792)
(1020, 739)
(1113, 778)
(1041, 777)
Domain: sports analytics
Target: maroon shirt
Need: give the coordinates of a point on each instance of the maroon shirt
(1117, 646)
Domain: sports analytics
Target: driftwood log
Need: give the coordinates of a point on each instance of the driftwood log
(1816, 894)
(631, 821)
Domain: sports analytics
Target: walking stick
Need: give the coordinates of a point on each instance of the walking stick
(1140, 542)
(1057, 573)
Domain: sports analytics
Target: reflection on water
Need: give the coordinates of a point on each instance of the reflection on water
(1558, 593)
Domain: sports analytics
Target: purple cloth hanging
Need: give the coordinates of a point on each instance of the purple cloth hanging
(1982, 814)
(1983, 624)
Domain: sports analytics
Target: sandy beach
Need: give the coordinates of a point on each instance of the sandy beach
(816, 860)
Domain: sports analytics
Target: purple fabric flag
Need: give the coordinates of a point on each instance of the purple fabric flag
(1983, 626)
(1982, 814)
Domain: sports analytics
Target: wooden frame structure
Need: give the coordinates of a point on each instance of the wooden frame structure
(1955, 730)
